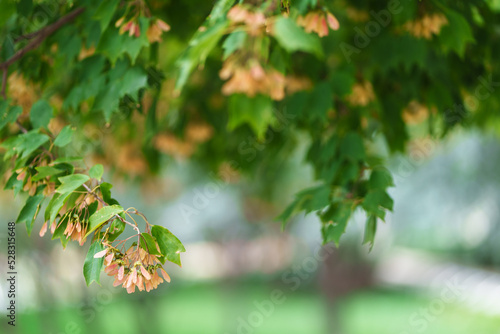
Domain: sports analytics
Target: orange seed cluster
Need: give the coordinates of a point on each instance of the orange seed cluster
(253, 21)
(134, 268)
(318, 22)
(426, 26)
(362, 94)
(251, 79)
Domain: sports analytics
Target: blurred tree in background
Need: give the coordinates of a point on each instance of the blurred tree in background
(238, 88)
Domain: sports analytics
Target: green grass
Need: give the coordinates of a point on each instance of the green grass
(403, 313)
(219, 309)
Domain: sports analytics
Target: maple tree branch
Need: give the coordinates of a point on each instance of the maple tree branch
(21, 127)
(37, 38)
(41, 35)
(4, 84)
(31, 35)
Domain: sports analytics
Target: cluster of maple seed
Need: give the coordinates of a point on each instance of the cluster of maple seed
(415, 112)
(31, 186)
(427, 25)
(133, 28)
(246, 74)
(250, 78)
(254, 22)
(362, 94)
(243, 70)
(76, 228)
(319, 21)
(156, 29)
(134, 268)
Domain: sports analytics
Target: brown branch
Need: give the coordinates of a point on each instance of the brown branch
(21, 127)
(95, 195)
(4, 83)
(41, 35)
(31, 35)
(38, 37)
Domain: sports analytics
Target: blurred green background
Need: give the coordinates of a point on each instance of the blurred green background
(434, 268)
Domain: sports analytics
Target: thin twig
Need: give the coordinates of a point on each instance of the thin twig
(95, 195)
(20, 126)
(106, 204)
(128, 223)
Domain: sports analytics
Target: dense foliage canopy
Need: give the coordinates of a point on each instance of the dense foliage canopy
(236, 87)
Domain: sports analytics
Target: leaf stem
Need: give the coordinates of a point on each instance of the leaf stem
(106, 204)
